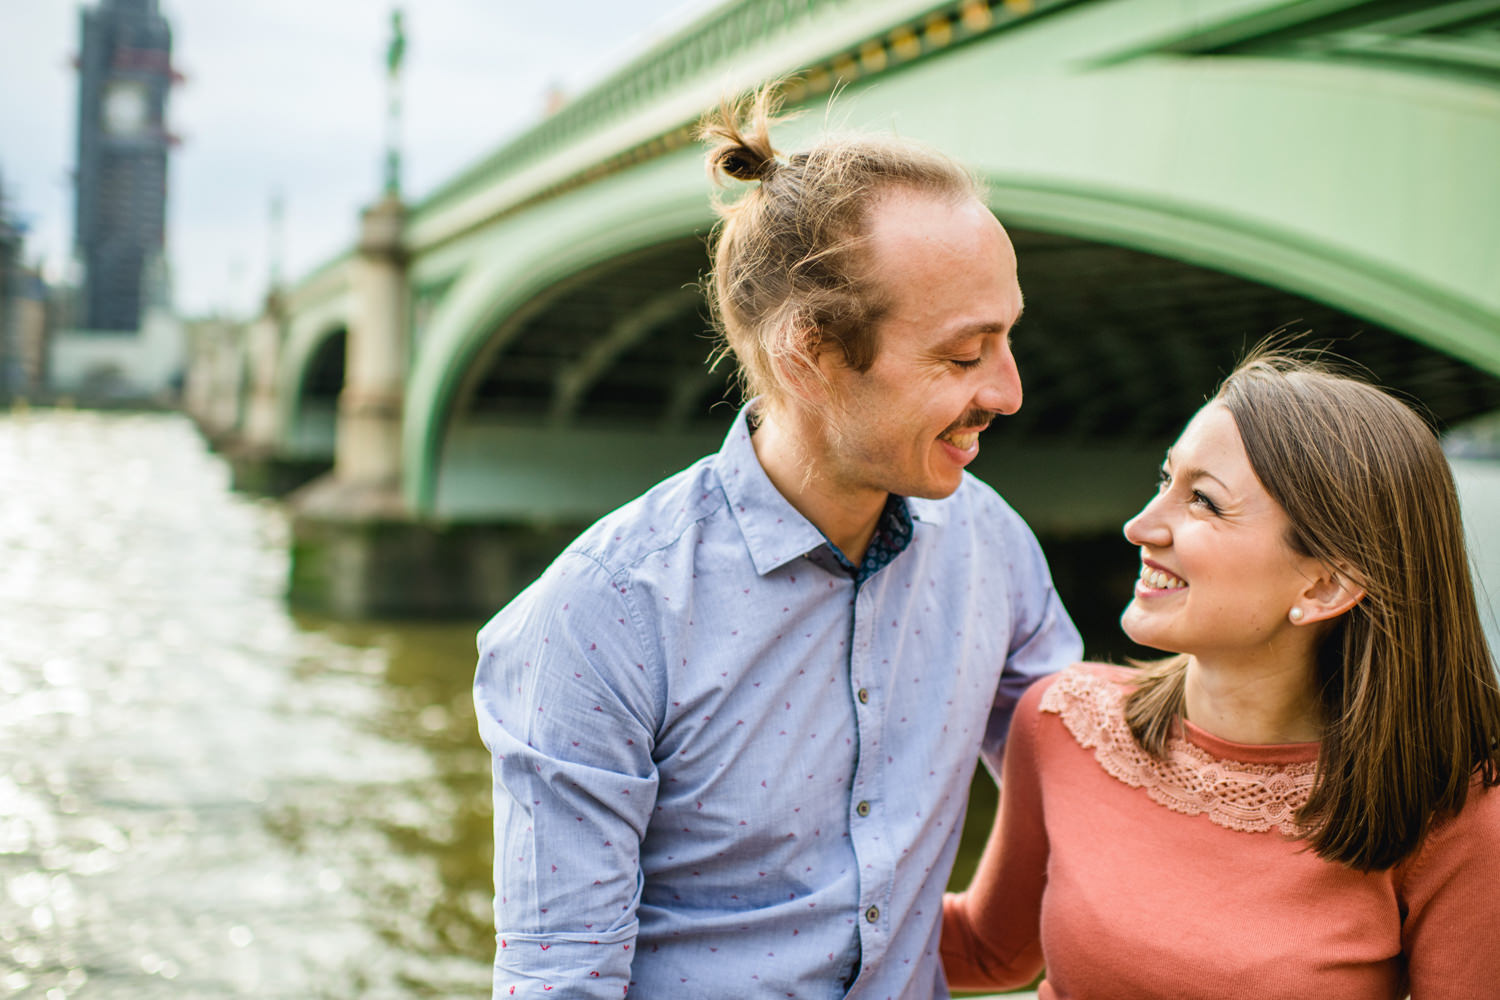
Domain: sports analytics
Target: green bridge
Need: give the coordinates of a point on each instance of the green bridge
(501, 362)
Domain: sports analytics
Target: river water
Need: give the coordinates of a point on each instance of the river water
(202, 795)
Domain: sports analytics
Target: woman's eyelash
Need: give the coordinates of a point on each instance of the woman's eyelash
(1164, 480)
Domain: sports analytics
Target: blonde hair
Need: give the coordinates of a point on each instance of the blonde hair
(790, 276)
(1407, 681)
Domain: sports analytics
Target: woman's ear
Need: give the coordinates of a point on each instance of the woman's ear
(1331, 593)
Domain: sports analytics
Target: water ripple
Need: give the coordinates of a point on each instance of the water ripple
(201, 795)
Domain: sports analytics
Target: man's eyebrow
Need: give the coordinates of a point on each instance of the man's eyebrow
(969, 332)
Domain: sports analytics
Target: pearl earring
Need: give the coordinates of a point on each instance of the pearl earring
(1295, 614)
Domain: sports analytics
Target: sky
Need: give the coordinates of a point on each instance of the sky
(287, 98)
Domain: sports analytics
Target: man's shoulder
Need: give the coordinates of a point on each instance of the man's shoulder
(655, 520)
(596, 565)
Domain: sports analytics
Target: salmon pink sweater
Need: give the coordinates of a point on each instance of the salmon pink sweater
(1136, 878)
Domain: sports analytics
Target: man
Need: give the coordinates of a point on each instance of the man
(734, 724)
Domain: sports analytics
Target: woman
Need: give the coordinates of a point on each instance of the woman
(1299, 804)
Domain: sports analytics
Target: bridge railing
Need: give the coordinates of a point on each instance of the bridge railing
(696, 48)
(648, 106)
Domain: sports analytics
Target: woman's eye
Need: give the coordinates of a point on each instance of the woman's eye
(1205, 502)
(1163, 480)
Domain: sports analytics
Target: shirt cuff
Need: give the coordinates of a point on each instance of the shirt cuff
(564, 965)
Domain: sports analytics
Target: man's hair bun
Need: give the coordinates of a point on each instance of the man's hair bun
(740, 137)
(742, 161)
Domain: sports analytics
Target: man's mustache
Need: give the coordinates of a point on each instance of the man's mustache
(971, 420)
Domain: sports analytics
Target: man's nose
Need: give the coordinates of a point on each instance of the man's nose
(1001, 391)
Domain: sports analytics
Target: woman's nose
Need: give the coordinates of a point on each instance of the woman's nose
(1148, 527)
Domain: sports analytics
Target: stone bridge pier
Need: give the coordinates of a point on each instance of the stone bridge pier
(257, 460)
(359, 550)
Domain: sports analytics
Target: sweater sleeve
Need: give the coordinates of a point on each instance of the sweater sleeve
(992, 931)
(1452, 904)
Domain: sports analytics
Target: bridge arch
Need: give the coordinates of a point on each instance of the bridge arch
(306, 398)
(533, 255)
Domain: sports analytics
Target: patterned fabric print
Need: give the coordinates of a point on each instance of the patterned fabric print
(1252, 798)
(892, 535)
(722, 769)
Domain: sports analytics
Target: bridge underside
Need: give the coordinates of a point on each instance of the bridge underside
(1119, 346)
(627, 343)
(603, 389)
(311, 426)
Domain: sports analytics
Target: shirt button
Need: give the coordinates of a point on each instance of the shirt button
(863, 808)
(864, 696)
(872, 914)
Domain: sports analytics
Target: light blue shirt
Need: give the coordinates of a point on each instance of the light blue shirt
(722, 769)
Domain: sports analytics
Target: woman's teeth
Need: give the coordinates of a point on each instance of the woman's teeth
(1158, 579)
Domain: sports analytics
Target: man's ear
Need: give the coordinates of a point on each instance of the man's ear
(1331, 593)
(801, 365)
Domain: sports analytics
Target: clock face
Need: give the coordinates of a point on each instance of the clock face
(125, 111)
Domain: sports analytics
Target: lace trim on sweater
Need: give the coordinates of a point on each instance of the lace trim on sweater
(1252, 798)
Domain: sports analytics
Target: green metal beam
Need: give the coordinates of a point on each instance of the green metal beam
(498, 471)
(1369, 190)
(1204, 27)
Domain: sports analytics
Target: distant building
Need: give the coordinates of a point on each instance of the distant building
(124, 75)
(10, 280)
(32, 328)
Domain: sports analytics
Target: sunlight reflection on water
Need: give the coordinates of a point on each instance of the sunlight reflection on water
(201, 795)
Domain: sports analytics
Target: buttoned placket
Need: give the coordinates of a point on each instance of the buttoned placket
(873, 855)
(871, 851)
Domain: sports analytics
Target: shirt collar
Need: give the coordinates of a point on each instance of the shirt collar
(775, 533)
(892, 535)
(927, 511)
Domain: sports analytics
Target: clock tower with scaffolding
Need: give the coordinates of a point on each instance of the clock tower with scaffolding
(124, 77)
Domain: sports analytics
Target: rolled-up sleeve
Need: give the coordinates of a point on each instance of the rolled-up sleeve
(565, 703)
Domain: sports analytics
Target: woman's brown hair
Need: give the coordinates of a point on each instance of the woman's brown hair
(789, 274)
(1407, 681)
